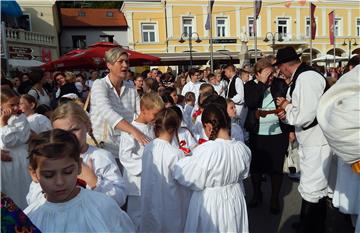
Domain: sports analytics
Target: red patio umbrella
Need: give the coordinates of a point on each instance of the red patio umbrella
(93, 58)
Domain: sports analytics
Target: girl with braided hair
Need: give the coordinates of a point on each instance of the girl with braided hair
(214, 173)
(164, 202)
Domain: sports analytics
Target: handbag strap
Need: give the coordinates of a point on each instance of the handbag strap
(87, 101)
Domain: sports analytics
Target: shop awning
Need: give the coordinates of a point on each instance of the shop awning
(24, 63)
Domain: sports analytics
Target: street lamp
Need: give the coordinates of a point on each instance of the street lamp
(349, 40)
(189, 35)
(273, 36)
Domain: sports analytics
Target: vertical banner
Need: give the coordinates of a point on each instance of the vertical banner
(313, 22)
(207, 24)
(258, 4)
(257, 9)
(331, 27)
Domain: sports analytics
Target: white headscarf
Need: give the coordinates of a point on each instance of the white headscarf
(339, 116)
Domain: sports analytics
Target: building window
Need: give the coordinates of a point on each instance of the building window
(283, 29)
(358, 27)
(221, 23)
(307, 26)
(82, 13)
(24, 22)
(107, 38)
(79, 42)
(337, 27)
(188, 27)
(109, 14)
(148, 32)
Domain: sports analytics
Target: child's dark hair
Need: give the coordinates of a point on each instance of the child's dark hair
(189, 96)
(168, 99)
(169, 90)
(215, 99)
(30, 99)
(53, 144)
(217, 116)
(166, 120)
(178, 111)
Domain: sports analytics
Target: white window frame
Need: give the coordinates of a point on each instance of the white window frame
(288, 27)
(226, 25)
(193, 24)
(307, 27)
(155, 32)
(258, 26)
(358, 27)
(338, 27)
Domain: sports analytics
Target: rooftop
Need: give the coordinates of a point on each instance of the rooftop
(91, 17)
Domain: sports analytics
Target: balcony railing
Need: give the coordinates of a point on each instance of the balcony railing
(27, 37)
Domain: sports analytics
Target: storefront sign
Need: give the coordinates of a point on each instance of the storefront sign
(224, 41)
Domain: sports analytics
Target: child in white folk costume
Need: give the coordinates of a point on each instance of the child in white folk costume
(14, 134)
(99, 169)
(164, 202)
(213, 173)
(184, 139)
(131, 152)
(38, 122)
(236, 131)
(55, 164)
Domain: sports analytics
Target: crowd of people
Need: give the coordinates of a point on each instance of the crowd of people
(156, 152)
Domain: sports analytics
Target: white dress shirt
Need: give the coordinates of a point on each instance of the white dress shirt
(108, 108)
(193, 87)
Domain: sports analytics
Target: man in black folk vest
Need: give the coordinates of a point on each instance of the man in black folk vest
(235, 92)
(300, 108)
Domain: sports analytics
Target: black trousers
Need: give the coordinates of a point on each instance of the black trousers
(313, 216)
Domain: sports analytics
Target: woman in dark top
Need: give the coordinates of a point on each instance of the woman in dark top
(269, 137)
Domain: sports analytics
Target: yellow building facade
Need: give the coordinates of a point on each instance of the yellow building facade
(156, 27)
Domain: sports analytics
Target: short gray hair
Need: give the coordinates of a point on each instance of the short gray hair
(112, 55)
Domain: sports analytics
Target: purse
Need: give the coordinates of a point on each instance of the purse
(292, 160)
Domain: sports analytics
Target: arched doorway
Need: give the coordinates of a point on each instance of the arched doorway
(338, 52)
(315, 52)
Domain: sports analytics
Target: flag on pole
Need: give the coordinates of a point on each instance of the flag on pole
(288, 3)
(207, 24)
(313, 22)
(258, 4)
(331, 27)
(302, 2)
(258, 8)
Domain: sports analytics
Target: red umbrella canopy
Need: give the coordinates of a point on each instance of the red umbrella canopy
(93, 58)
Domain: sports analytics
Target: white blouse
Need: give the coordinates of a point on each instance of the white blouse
(164, 202)
(39, 123)
(89, 211)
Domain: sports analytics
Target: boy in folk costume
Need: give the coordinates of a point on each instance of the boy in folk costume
(300, 110)
(131, 151)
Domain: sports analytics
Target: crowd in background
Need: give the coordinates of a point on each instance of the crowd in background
(156, 144)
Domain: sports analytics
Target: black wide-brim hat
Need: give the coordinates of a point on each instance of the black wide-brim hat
(285, 55)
